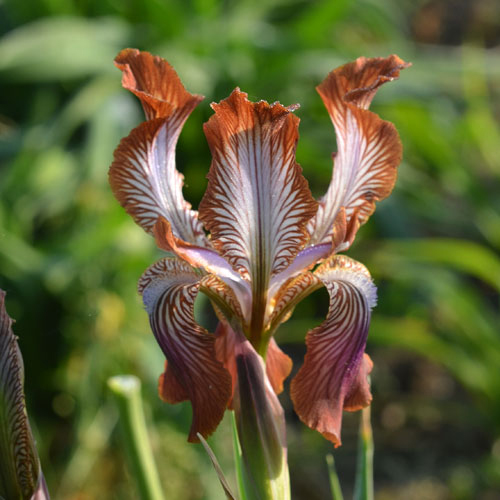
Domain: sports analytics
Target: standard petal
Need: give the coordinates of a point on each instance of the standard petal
(369, 149)
(330, 378)
(257, 202)
(155, 82)
(169, 289)
(143, 175)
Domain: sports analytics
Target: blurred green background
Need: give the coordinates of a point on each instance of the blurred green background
(70, 257)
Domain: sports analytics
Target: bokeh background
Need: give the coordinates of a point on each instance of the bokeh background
(70, 257)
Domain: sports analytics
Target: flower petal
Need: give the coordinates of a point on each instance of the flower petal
(169, 289)
(143, 175)
(257, 201)
(19, 464)
(207, 259)
(369, 149)
(288, 296)
(360, 395)
(278, 366)
(330, 377)
(155, 82)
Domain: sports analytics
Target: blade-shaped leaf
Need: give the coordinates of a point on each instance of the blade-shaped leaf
(218, 469)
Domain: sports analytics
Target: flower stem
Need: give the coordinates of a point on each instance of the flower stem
(126, 390)
(260, 427)
(363, 487)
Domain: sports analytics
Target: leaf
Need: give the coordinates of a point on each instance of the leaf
(61, 48)
(218, 469)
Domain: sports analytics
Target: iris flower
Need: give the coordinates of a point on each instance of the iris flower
(259, 242)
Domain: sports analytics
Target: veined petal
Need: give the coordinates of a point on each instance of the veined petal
(207, 259)
(288, 296)
(169, 289)
(155, 82)
(278, 366)
(369, 149)
(257, 201)
(304, 260)
(20, 472)
(360, 395)
(143, 175)
(331, 377)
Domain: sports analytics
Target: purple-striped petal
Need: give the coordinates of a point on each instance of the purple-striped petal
(169, 289)
(330, 379)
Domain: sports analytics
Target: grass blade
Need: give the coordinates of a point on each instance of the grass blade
(218, 469)
(334, 478)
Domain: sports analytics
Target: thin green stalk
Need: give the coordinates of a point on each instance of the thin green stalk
(238, 459)
(363, 486)
(218, 468)
(126, 390)
(334, 478)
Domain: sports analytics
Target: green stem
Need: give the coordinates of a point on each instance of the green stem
(334, 478)
(126, 390)
(363, 487)
(238, 459)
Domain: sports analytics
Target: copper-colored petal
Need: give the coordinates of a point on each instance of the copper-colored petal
(330, 377)
(155, 82)
(289, 295)
(225, 345)
(369, 149)
(360, 395)
(257, 201)
(236, 294)
(169, 388)
(169, 289)
(143, 175)
(278, 366)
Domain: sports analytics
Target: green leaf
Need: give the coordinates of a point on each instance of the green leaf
(217, 467)
(462, 255)
(334, 478)
(61, 48)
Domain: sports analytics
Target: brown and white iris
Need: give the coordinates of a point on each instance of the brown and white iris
(270, 243)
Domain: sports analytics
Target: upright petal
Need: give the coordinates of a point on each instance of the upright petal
(169, 289)
(20, 473)
(369, 149)
(333, 376)
(155, 82)
(143, 175)
(257, 201)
